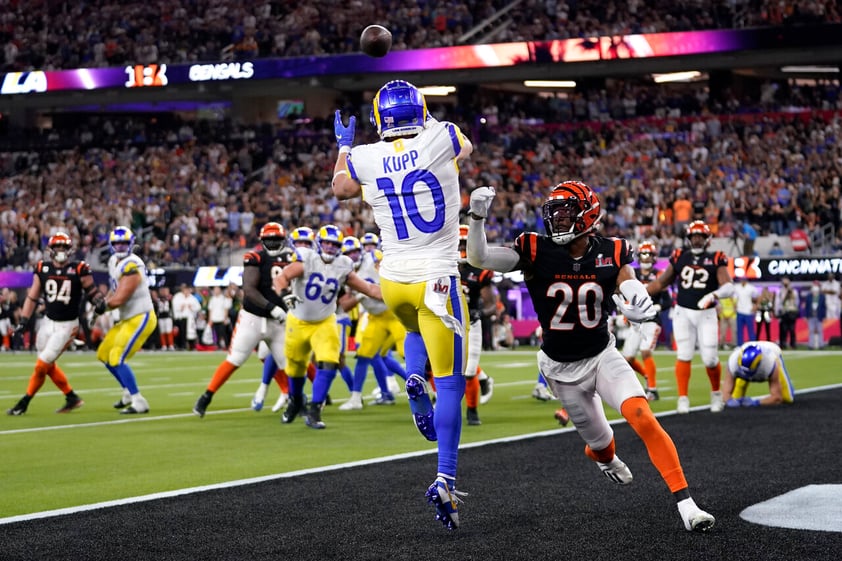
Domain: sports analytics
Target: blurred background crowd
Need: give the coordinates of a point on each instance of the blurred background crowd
(53, 34)
(760, 162)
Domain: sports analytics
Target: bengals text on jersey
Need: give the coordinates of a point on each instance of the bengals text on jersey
(572, 306)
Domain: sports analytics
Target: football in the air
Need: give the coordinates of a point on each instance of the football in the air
(375, 41)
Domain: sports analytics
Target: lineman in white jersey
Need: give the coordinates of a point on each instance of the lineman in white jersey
(411, 180)
(381, 330)
(129, 294)
(757, 361)
(316, 279)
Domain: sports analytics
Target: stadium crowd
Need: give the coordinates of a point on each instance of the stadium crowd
(195, 191)
(52, 35)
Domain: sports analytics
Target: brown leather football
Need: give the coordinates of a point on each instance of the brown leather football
(375, 41)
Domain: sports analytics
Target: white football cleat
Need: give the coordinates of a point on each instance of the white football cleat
(354, 403)
(617, 471)
(541, 393)
(392, 384)
(694, 518)
(281, 403)
(683, 405)
(716, 404)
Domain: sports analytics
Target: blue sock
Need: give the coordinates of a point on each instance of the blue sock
(541, 380)
(360, 371)
(347, 377)
(296, 386)
(380, 374)
(448, 421)
(269, 369)
(113, 370)
(416, 354)
(321, 385)
(394, 366)
(127, 376)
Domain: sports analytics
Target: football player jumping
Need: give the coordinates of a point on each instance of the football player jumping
(410, 178)
(702, 277)
(571, 274)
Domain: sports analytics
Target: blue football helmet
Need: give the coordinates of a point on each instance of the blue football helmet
(399, 109)
(329, 240)
(121, 242)
(750, 359)
(352, 247)
(370, 238)
(303, 237)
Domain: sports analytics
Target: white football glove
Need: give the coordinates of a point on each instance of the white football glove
(278, 313)
(636, 311)
(707, 301)
(481, 199)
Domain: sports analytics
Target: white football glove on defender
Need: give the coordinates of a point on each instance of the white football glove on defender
(637, 310)
(278, 313)
(707, 301)
(481, 198)
(635, 303)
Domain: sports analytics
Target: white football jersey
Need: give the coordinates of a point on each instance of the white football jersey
(319, 286)
(140, 301)
(768, 358)
(368, 271)
(412, 185)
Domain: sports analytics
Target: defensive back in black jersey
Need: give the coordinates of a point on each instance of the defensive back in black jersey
(270, 267)
(62, 288)
(572, 297)
(696, 275)
(474, 280)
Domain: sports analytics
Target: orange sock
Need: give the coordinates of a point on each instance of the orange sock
(7, 342)
(472, 392)
(223, 372)
(605, 455)
(56, 374)
(682, 376)
(715, 376)
(432, 382)
(651, 372)
(38, 377)
(637, 367)
(658, 443)
(311, 371)
(170, 339)
(282, 380)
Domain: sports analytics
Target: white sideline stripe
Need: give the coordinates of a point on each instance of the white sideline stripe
(309, 471)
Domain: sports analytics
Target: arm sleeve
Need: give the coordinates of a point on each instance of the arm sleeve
(501, 259)
(725, 291)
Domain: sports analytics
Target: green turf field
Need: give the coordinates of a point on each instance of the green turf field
(93, 454)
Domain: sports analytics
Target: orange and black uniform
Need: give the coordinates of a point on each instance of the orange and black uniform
(572, 307)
